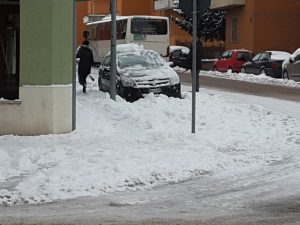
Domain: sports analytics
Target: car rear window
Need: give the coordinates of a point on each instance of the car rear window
(243, 56)
(227, 54)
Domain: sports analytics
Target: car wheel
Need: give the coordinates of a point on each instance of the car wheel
(263, 71)
(120, 89)
(285, 75)
(100, 84)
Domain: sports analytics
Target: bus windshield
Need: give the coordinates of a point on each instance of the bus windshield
(149, 26)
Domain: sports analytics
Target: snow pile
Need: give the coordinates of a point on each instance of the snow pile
(262, 78)
(132, 146)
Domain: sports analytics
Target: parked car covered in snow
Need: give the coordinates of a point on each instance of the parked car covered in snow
(291, 67)
(232, 60)
(269, 63)
(139, 72)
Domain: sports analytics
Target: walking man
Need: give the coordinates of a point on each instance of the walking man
(86, 60)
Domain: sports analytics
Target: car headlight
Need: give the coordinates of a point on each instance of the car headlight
(174, 79)
(127, 81)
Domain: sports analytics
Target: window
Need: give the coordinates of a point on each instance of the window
(106, 61)
(255, 58)
(264, 57)
(243, 56)
(121, 29)
(149, 26)
(234, 29)
(9, 49)
(227, 54)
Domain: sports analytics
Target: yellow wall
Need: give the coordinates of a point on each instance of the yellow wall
(264, 25)
(82, 11)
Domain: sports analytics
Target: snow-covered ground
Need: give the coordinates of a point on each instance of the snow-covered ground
(262, 78)
(121, 146)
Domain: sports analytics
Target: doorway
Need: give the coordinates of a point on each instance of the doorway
(9, 49)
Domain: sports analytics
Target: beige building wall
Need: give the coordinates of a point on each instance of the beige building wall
(265, 25)
(245, 26)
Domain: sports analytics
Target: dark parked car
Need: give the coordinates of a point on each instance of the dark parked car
(139, 72)
(178, 56)
(269, 63)
(291, 67)
(232, 60)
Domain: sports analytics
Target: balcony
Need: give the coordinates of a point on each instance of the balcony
(165, 4)
(225, 4)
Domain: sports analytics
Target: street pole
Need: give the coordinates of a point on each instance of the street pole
(113, 52)
(74, 69)
(194, 66)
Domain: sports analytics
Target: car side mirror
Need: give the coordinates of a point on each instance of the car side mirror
(291, 60)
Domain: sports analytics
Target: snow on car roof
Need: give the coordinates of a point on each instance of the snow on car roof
(279, 55)
(131, 47)
(184, 49)
(297, 52)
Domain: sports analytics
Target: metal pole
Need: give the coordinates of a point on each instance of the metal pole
(113, 52)
(194, 67)
(74, 69)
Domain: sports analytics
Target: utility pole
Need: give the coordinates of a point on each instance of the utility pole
(113, 49)
(194, 66)
(194, 8)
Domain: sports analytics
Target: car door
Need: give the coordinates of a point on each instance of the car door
(222, 63)
(294, 68)
(104, 73)
(251, 66)
(263, 62)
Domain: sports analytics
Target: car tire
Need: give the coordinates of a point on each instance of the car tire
(285, 75)
(100, 84)
(120, 90)
(263, 71)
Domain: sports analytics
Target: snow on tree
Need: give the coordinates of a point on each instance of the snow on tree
(211, 24)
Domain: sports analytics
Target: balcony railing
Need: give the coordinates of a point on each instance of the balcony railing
(165, 4)
(224, 4)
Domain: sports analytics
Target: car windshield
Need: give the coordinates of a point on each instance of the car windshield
(145, 59)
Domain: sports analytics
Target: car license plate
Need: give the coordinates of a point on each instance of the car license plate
(155, 90)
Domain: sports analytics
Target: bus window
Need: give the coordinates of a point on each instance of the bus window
(149, 26)
(121, 29)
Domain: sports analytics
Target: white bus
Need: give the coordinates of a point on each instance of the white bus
(150, 31)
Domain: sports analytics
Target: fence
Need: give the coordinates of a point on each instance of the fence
(208, 52)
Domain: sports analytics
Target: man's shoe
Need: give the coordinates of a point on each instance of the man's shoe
(84, 89)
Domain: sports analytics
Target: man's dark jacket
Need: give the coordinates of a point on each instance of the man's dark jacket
(86, 61)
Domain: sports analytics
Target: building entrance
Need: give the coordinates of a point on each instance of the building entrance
(9, 49)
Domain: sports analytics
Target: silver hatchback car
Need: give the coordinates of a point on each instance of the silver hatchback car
(291, 67)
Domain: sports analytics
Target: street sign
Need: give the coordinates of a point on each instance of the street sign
(187, 6)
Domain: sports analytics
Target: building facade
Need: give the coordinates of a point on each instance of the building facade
(260, 25)
(37, 67)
